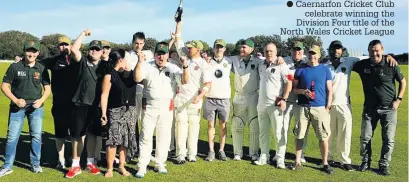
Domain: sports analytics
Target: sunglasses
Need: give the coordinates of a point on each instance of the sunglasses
(63, 44)
(94, 49)
(219, 46)
(107, 47)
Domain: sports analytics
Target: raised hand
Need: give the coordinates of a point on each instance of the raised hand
(87, 32)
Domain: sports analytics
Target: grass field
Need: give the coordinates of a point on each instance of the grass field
(242, 171)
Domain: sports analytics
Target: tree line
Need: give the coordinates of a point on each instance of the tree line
(11, 44)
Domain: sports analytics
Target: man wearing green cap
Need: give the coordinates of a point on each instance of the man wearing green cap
(22, 84)
(63, 69)
(313, 85)
(160, 78)
(188, 101)
(106, 47)
(293, 61)
(246, 81)
(86, 100)
(217, 103)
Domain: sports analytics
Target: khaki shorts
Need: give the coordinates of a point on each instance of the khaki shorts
(319, 118)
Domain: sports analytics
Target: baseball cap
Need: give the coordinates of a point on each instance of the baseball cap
(248, 42)
(105, 43)
(195, 44)
(299, 44)
(336, 43)
(316, 49)
(161, 47)
(220, 42)
(32, 44)
(64, 39)
(95, 43)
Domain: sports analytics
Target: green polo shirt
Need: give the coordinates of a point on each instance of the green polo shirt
(26, 82)
(378, 82)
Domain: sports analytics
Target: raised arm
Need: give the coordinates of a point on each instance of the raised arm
(75, 48)
(138, 75)
(186, 75)
(172, 39)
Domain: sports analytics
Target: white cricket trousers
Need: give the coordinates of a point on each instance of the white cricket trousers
(272, 117)
(187, 126)
(341, 131)
(161, 120)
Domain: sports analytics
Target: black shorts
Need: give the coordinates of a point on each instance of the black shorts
(84, 117)
(62, 119)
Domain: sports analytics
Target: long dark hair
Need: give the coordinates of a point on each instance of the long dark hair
(115, 56)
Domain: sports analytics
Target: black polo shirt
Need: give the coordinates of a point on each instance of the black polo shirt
(378, 82)
(64, 75)
(90, 78)
(27, 82)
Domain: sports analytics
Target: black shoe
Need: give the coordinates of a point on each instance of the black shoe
(172, 154)
(383, 170)
(328, 169)
(347, 167)
(331, 162)
(364, 166)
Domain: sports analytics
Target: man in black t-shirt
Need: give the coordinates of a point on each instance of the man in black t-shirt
(381, 103)
(86, 100)
(63, 85)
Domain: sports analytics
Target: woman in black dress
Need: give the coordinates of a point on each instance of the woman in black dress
(118, 111)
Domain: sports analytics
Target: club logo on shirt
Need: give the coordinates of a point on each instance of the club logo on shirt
(367, 71)
(167, 73)
(225, 65)
(218, 73)
(253, 66)
(196, 67)
(273, 70)
(21, 73)
(36, 75)
(343, 69)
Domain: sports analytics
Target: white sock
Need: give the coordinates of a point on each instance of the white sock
(90, 161)
(75, 163)
(62, 160)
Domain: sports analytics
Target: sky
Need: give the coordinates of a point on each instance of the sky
(207, 20)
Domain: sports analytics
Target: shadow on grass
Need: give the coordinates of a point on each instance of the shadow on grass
(49, 154)
(203, 149)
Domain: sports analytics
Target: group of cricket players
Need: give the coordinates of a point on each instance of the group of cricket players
(174, 90)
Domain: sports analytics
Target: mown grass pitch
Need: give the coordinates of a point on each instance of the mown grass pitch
(222, 171)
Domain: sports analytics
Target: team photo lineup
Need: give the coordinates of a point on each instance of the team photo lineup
(132, 103)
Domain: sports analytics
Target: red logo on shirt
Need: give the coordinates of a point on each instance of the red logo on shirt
(36, 75)
(196, 67)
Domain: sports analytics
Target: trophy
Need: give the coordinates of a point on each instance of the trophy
(179, 11)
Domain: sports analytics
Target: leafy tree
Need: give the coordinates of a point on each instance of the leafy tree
(12, 43)
(230, 49)
(150, 44)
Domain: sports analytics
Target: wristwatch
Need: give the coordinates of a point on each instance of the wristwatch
(185, 67)
(399, 98)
